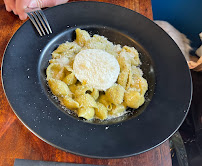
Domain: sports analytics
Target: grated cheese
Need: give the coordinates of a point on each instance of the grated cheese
(96, 68)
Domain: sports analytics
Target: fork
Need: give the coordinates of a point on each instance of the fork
(39, 20)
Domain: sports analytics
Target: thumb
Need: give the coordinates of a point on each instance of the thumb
(45, 3)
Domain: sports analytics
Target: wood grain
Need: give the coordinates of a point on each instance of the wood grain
(16, 141)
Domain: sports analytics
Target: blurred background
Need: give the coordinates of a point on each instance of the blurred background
(186, 16)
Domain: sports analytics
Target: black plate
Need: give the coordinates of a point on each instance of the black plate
(166, 70)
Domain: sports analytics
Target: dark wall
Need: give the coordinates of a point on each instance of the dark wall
(184, 15)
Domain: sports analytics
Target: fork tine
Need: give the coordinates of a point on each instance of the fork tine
(45, 20)
(34, 23)
(37, 20)
(42, 21)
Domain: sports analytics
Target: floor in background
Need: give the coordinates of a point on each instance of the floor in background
(191, 130)
(186, 16)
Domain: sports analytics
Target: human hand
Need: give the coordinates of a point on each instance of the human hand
(18, 6)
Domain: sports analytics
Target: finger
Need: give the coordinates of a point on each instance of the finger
(8, 8)
(46, 3)
(21, 5)
(23, 16)
(14, 11)
(10, 5)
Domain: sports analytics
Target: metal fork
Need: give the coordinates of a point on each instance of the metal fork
(39, 20)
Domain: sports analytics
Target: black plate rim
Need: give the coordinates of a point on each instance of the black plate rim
(116, 157)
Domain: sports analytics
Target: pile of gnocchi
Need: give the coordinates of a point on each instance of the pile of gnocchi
(89, 103)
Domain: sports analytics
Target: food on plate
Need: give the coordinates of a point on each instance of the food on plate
(96, 68)
(96, 78)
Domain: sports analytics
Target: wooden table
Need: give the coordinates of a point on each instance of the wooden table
(16, 141)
